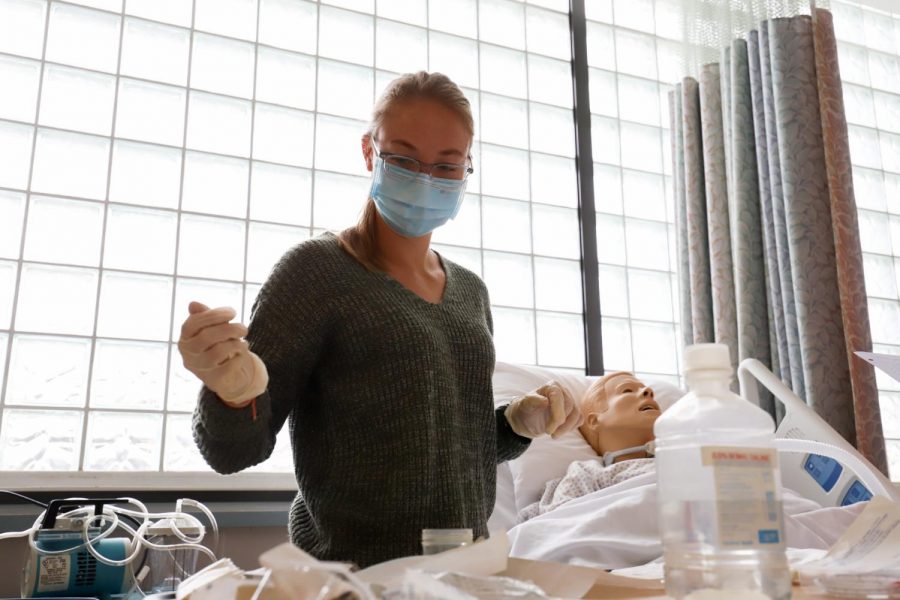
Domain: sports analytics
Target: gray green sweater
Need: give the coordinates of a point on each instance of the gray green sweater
(388, 399)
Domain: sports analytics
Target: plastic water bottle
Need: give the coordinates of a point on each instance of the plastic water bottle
(719, 489)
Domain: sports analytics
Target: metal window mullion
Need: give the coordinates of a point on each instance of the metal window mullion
(93, 351)
(161, 209)
(250, 168)
(619, 166)
(548, 311)
(662, 152)
(625, 267)
(294, 166)
(593, 341)
(12, 317)
(480, 143)
(76, 336)
(133, 271)
(315, 131)
(281, 48)
(111, 409)
(428, 36)
(530, 200)
(187, 105)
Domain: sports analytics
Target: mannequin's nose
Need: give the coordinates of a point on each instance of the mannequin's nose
(647, 392)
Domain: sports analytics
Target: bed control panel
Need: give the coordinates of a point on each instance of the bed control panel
(856, 492)
(826, 471)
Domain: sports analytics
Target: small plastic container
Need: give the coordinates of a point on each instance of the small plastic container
(435, 541)
(169, 567)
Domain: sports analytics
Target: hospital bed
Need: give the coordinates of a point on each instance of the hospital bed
(617, 527)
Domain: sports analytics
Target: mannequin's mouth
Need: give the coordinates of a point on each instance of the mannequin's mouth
(649, 406)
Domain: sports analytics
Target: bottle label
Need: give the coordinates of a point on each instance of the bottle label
(747, 509)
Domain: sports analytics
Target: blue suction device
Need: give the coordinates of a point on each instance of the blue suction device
(73, 571)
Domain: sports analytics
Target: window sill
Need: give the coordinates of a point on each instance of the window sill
(19, 517)
(55, 481)
(239, 500)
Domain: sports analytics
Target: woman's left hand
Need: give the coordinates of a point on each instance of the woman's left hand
(549, 409)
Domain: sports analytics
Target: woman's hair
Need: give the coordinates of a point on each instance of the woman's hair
(359, 240)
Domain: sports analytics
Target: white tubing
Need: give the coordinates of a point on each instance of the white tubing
(202, 508)
(859, 468)
(109, 521)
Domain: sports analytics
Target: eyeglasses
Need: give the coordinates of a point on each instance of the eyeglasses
(440, 170)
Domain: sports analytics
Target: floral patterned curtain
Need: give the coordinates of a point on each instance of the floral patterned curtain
(768, 238)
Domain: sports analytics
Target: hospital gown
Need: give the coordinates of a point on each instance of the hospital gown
(583, 477)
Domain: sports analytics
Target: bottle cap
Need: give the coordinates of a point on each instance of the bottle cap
(707, 357)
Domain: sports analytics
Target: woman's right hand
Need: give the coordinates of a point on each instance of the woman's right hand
(549, 409)
(213, 349)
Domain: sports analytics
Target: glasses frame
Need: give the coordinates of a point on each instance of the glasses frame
(427, 168)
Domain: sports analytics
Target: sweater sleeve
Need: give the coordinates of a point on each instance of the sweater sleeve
(510, 444)
(287, 330)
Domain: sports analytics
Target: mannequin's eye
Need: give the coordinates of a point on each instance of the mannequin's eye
(627, 390)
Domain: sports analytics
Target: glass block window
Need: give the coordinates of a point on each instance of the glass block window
(156, 152)
(869, 54)
(633, 49)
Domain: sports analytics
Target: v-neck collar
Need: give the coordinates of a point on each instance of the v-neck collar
(445, 266)
(445, 293)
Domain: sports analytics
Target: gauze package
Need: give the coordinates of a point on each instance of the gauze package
(224, 579)
(287, 573)
(299, 576)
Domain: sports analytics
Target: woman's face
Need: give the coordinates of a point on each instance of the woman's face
(421, 129)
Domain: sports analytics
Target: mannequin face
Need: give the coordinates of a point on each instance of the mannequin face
(619, 413)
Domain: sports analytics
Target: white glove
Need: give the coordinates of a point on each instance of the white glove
(213, 349)
(549, 409)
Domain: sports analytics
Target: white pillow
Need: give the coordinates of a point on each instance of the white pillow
(546, 458)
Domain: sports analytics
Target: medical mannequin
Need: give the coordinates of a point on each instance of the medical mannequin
(603, 510)
(619, 411)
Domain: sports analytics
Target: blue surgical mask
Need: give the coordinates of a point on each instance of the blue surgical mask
(414, 204)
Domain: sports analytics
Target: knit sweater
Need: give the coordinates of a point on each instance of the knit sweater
(388, 399)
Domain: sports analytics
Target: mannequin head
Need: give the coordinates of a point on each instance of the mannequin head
(619, 412)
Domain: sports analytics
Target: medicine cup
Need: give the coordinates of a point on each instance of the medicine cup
(435, 541)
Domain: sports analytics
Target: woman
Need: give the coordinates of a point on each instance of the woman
(379, 353)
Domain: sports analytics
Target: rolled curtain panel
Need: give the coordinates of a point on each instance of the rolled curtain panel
(848, 250)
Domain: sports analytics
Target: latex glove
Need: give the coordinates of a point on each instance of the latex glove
(549, 409)
(213, 349)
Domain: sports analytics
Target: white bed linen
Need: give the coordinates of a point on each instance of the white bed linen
(617, 527)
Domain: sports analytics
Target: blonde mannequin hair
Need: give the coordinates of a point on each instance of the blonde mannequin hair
(359, 241)
(598, 388)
